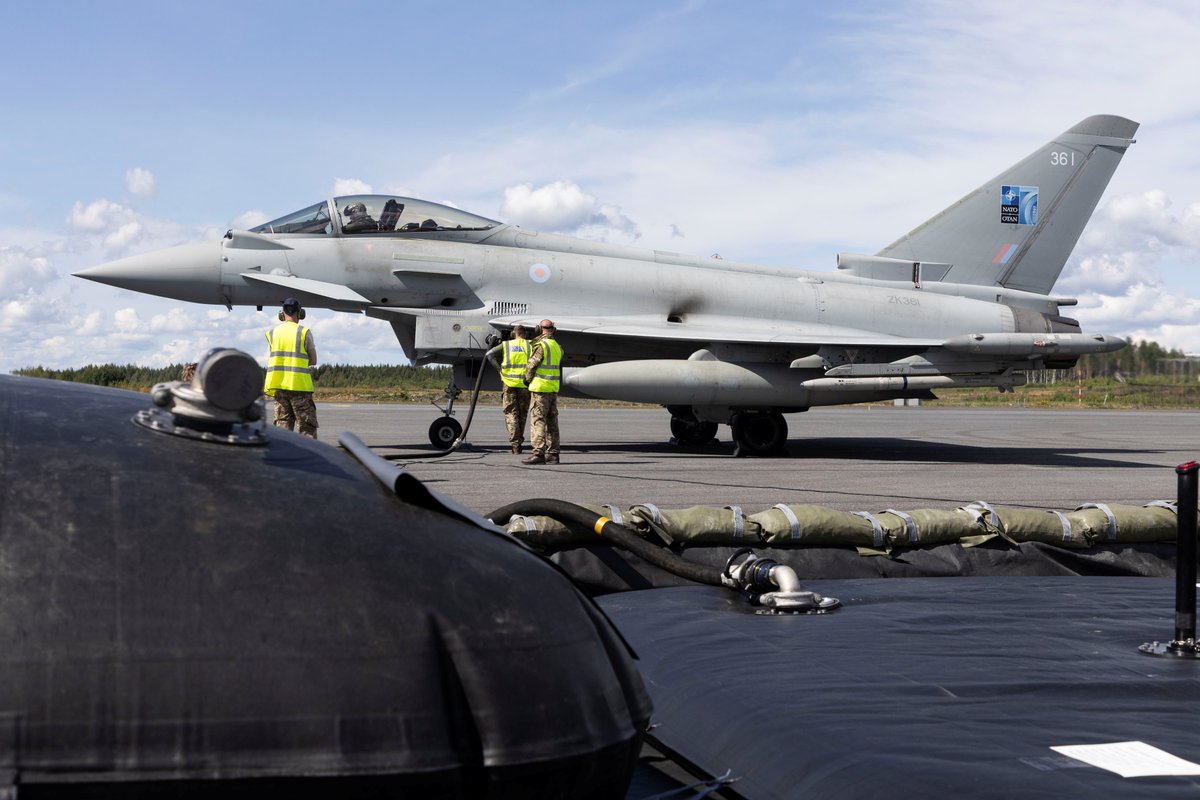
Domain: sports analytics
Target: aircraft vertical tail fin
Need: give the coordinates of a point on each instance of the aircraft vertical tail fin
(1018, 229)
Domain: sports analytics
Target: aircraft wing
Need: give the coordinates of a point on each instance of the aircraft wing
(713, 328)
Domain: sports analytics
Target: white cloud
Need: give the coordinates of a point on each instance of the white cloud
(1144, 219)
(102, 230)
(1128, 240)
(124, 236)
(563, 207)
(182, 351)
(1139, 305)
(126, 320)
(249, 219)
(1174, 337)
(559, 206)
(1103, 271)
(37, 331)
(140, 181)
(98, 216)
(941, 55)
(403, 190)
(91, 324)
(15, 315)
(344, 186)
(174, 320)
(20, 271)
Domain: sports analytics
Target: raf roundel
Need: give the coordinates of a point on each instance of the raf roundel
(539, 273)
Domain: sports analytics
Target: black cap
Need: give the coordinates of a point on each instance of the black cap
(291, 305)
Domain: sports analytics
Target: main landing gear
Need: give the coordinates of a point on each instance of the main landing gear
(688, 429)
(758, 433)
(755, 433)
(445, 431)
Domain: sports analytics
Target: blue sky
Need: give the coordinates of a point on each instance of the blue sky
(781, 133)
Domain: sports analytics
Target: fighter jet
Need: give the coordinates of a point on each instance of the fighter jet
(964, 299)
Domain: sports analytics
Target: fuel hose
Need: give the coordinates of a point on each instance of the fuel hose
(618, 534)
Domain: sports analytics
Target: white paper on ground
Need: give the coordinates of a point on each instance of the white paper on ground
(1129, 759)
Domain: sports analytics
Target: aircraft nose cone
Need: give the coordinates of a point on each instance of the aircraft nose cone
(189, 272)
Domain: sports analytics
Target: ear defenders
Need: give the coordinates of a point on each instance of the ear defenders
(290, 304)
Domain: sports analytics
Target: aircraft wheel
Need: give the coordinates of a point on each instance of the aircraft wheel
(444, 431)
(759, 434)
(689, 430)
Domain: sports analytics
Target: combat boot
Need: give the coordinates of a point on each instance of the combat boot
(516, 448)
(536, 458)
(552, 458)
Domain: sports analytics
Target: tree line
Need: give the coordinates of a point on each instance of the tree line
(1138, 360)
(330, 376)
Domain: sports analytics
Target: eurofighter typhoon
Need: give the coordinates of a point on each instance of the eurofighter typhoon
(962, 300)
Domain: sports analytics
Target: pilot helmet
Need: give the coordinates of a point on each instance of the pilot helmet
(356, 210)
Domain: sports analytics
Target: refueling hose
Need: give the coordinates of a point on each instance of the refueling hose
(618, 534)
(462, 437)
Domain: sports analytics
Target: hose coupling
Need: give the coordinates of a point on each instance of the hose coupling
(773, 586)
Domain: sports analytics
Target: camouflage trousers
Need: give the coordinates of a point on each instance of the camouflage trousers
(292, 407)
(516, 411)
(543, 416)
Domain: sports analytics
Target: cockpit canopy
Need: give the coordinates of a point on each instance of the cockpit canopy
(366, 214)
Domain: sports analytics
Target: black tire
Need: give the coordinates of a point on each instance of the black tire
(759, 434)
(688, 430)
(444, 431)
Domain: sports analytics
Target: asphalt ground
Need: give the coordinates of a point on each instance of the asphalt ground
(860, 458)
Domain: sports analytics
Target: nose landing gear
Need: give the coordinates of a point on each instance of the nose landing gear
(445, 430)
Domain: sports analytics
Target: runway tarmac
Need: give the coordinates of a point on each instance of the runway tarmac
(850, 458)
(856, 458)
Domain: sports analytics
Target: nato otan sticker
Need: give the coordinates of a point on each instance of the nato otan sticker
(1018, 205)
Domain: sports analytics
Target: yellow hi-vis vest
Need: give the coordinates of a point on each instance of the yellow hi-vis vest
(512, 368)
(287, 366)
(548, 374)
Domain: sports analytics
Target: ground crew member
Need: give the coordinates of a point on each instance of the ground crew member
(543, 373)
(293, 355)
(509, 358)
